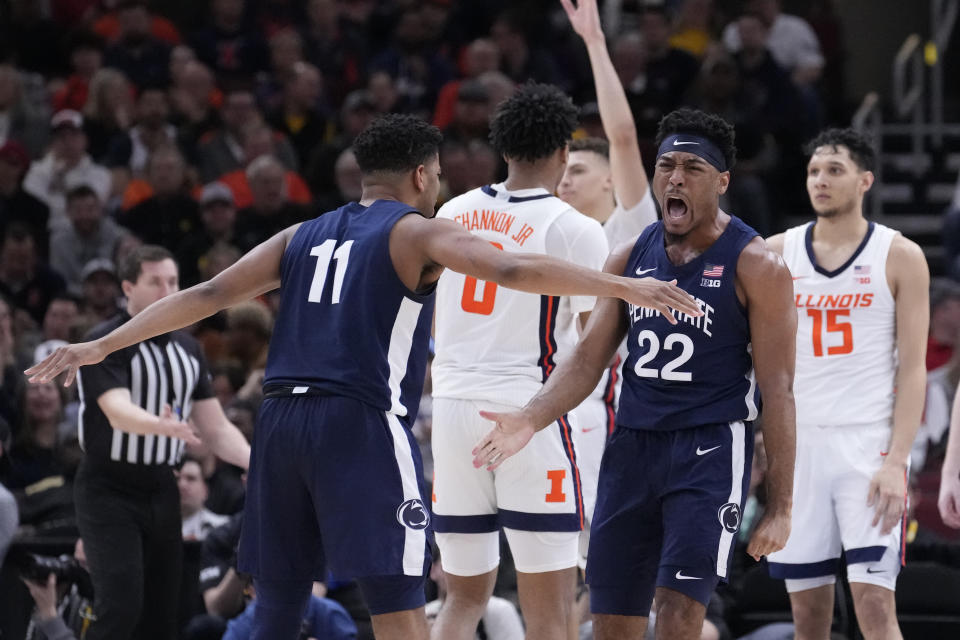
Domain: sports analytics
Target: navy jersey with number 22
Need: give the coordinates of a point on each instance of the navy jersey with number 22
(700, 370)
(347, 325)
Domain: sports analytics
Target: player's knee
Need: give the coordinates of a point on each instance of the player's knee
(675, 609)
(876, 611)
(812, 616)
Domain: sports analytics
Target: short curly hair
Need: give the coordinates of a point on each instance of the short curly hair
(707, 125)
(396, 143)
(533, 123)
(859, 144)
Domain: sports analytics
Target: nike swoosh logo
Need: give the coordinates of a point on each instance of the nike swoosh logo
(701, 452)
(680, 576)
(877, 571)
(589, 430)
(640, 272)
(677, 143)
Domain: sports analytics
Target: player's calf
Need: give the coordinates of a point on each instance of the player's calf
(876, 611)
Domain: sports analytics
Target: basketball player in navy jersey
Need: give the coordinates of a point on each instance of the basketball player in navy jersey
(335, 474)
(676, 470)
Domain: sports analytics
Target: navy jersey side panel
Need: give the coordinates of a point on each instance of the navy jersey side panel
(347, 325)
(700, 370)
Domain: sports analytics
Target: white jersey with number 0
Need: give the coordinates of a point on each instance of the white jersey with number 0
(846, 331)
(498, 344)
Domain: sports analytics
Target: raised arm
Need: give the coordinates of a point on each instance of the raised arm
(572, 381)
(629, 178)
(255, 273)
(910, 282)
(421, 248)
(768, 288)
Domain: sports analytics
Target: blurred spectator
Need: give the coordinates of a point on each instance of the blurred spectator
(34, 38)
(300, 117)
(357, 112)
(169, 213)
(225, 150)
(220, 585)
(90, 234)
(269, 199)
(520, 59)
(61, 317)
(499, 87)
(338, 53)
(218, 215)
(471, 114)
(109, 24)
(384, 92)
(323, 618)
(40, 470)
(227, 379)
(792, 42)
(286, 51)
(9, 516)
(233, 52)
(25, 281)
(86, 58)
(17, 121)
(693, 27)
(142, 57)
(220, 256)
(108, 114)
(194, 101)
(65, 165)
(12, 382)
(15, 203)
(197, 519)
(480, 56)
(944, 322)
(101, 292)
(418, 70)
(669, 71)
(466, 167)
(951, 234)
(348, 176)
(249, 327)
(151, 132)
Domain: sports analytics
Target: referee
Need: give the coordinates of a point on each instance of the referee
(139, 407)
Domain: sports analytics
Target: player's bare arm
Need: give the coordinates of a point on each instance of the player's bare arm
(444, 243)
(949, 500)
(255, 273)
(572, 381)
(767, 288)
(909, 281)
(629, 177)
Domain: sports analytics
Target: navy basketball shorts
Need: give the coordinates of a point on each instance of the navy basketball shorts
(667, 513)
(336, 485)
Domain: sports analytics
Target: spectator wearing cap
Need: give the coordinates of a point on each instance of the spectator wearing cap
(300, 116)
(101, 292)
(26, 281)
(141, 56)
(358, 111)
(15, 203)
(218, 215)
(66, 164)
(169, 213)
(90, 234)
(272, 204)
(86, 58)
(17, 120)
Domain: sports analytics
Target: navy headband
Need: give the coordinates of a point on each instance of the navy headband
(696, 145)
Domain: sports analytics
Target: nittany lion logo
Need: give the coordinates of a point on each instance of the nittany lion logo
(729, 516)
(413, 515)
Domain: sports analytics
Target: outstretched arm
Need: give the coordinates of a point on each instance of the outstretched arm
(629, 178)
(442, 243)
(255, 273)
(768, 288)
(572, 381)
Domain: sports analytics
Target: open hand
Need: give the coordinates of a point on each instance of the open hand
(887, 493)
(511, 433)
(662, 296)
(69, 359)
(176, 428)
(584, 18)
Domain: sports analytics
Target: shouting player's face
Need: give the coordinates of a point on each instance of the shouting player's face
(835, 183)
(688, 189)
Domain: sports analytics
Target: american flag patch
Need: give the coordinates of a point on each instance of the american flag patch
(713, 271)
(861, 270)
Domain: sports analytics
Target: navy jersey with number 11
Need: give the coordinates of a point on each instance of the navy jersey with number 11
(347, 325)
(700, 370)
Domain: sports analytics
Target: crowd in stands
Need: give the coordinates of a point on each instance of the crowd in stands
(206, 127)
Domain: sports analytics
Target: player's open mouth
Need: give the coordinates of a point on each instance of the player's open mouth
(676, 208)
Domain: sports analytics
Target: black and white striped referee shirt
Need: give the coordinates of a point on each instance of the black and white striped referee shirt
(168, 369)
